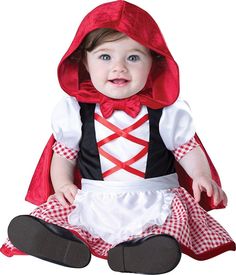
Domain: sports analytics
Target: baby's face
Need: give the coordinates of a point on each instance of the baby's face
(119, 69)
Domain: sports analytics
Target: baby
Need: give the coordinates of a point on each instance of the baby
(127, 133)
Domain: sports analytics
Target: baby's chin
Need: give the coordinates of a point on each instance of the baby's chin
(117, 95)
(116, 92)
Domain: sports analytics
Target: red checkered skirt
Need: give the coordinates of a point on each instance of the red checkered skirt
(199, 235)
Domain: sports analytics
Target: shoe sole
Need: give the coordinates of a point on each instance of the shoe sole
(156, 255)
(30, 236)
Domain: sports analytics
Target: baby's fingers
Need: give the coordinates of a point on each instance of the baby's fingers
(70, 196)
(219, 196)
(209, 189)
(225, 199)
(196, 192)
(60, 197)
(74, 190)
(71, 193)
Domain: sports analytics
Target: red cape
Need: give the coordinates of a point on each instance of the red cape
(73, 78)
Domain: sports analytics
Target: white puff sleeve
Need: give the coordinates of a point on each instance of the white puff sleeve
(176, 125)
(66, 123)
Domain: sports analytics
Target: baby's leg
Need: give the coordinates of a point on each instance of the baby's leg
(48, 241)
(154, 254)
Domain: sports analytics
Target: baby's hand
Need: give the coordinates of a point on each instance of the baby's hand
(206, 184)
(66, 194)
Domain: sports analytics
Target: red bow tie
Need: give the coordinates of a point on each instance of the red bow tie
(131, 106)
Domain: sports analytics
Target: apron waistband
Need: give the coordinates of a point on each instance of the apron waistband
(151, 184)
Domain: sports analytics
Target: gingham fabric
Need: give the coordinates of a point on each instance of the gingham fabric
(60, 149)
(199, 235)
(185, 148)
(71, 154)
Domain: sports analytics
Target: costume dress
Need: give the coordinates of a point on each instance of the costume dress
(127, 166)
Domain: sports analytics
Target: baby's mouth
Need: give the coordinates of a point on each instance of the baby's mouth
(119, 81)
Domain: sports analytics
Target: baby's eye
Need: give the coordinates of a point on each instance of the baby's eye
(105, 57)
(133, 58)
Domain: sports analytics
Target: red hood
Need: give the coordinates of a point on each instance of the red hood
(140, 26)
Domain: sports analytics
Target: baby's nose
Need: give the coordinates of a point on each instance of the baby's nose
(119, 67)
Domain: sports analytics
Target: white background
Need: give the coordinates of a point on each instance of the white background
(33, 37)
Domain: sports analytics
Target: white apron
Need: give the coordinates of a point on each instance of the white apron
(117, 210)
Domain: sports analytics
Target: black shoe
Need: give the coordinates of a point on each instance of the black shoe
(154, 254)
(48, 242)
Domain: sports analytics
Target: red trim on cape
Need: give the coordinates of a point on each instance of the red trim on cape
(41, 186)
(9, 252)
(208, 254)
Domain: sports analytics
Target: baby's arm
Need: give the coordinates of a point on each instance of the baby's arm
(62, 176)
(196, 165)
(66, 126)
